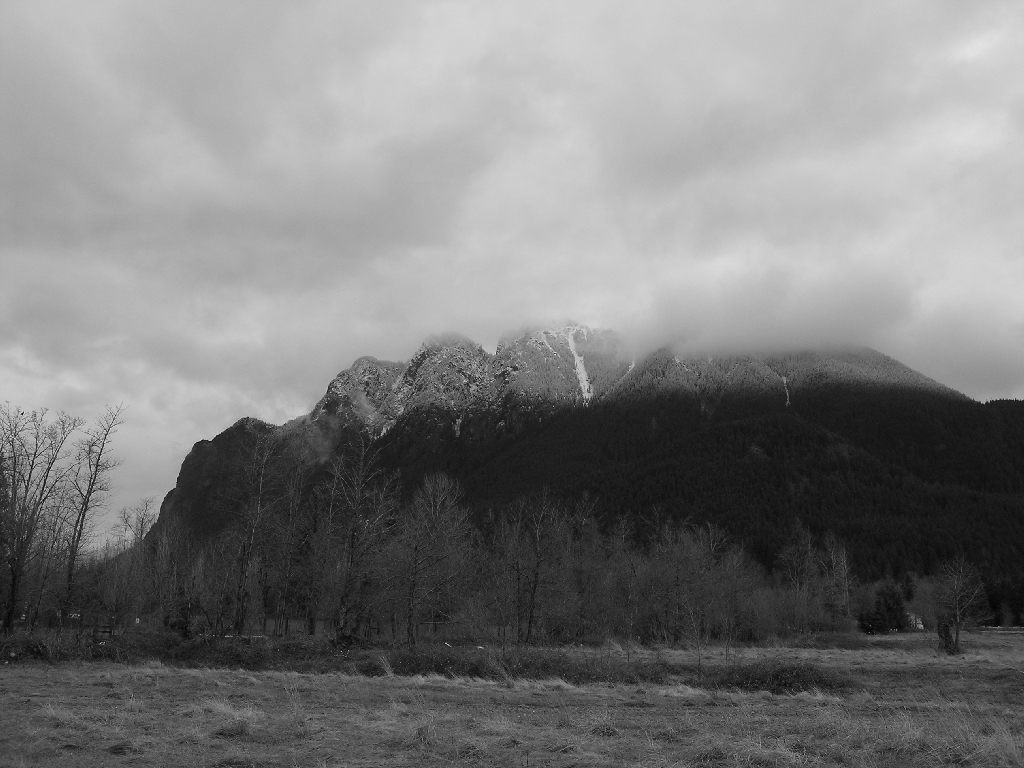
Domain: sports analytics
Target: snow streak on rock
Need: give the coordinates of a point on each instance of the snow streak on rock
(581, 371)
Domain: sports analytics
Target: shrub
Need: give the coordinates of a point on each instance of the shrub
(777, 677)
(514, 663)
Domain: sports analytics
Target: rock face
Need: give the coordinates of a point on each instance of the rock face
(207, 475)
(575, 366)
(448, 372)
(568, 366)
(360, 392)
(781, 378)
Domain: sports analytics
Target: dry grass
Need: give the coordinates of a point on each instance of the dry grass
(900, 703)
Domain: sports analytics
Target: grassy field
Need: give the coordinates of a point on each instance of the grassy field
(891, 701)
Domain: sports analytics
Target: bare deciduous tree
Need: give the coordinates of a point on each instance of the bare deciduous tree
(353, 516)
(531, 543)
(124, 587)
(257, 494)
(428, 549)
(171, 574)
(90, 481)
(703, 548)
(35, 449)
(835, 568)
(960, 601)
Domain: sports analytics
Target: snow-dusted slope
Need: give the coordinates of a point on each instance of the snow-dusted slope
(574, 366)
(548, 367)
(586, 392)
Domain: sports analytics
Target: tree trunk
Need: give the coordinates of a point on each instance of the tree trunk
(532, 604)
(410, 617)
(13, 604)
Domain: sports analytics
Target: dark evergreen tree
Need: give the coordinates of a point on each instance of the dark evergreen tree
(889, 613)
(908, 587)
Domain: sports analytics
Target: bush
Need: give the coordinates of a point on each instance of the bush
(777, 677)
(848, 641)
(526, 663)
(578, 666)
(54, 645)
(142, 643)
(18, 647)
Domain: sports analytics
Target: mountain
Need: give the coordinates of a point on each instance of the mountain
(851, 441)
(548, 368)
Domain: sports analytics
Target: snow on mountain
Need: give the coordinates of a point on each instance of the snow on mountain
(361, 391)
(537, 366)
(450, 372)
(581, 368)
(575, 366)
(547, 366)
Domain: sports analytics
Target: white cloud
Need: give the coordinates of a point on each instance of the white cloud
(207, 210)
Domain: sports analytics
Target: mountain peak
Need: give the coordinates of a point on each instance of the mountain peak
(449, 340)
(574, 365)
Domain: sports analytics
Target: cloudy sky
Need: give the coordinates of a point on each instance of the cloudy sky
(208, 209)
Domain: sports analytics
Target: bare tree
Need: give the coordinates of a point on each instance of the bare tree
(90, 482)
(123, 583)
(838, 579)
(625, 562)
(258, 494)
(43, 584)
(287, 536)
(35, 450)
(428, 551)
(213, 572)
(530, 545)
(960, 601)
(703, 548)
(171, 574)
(354, 513)
(733, 580)
(588, 575)
(5, 506)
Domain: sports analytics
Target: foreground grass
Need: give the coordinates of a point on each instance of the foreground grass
(898, 703)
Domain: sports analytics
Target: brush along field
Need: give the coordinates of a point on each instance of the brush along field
(895, 701)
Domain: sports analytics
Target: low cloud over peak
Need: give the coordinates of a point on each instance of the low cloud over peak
(207, 210)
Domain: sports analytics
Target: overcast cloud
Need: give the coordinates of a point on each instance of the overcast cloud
(208, 209)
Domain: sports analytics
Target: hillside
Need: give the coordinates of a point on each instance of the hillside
(905, 470)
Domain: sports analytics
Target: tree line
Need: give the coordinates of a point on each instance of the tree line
(908, 481)
(339, 549)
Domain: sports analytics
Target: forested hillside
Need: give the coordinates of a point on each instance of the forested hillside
(905, 479)
(904, 471)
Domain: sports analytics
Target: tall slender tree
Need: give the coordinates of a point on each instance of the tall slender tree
(428, 549)
(259, 492)
(90, 481)
(961, 601)
(353, 515)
